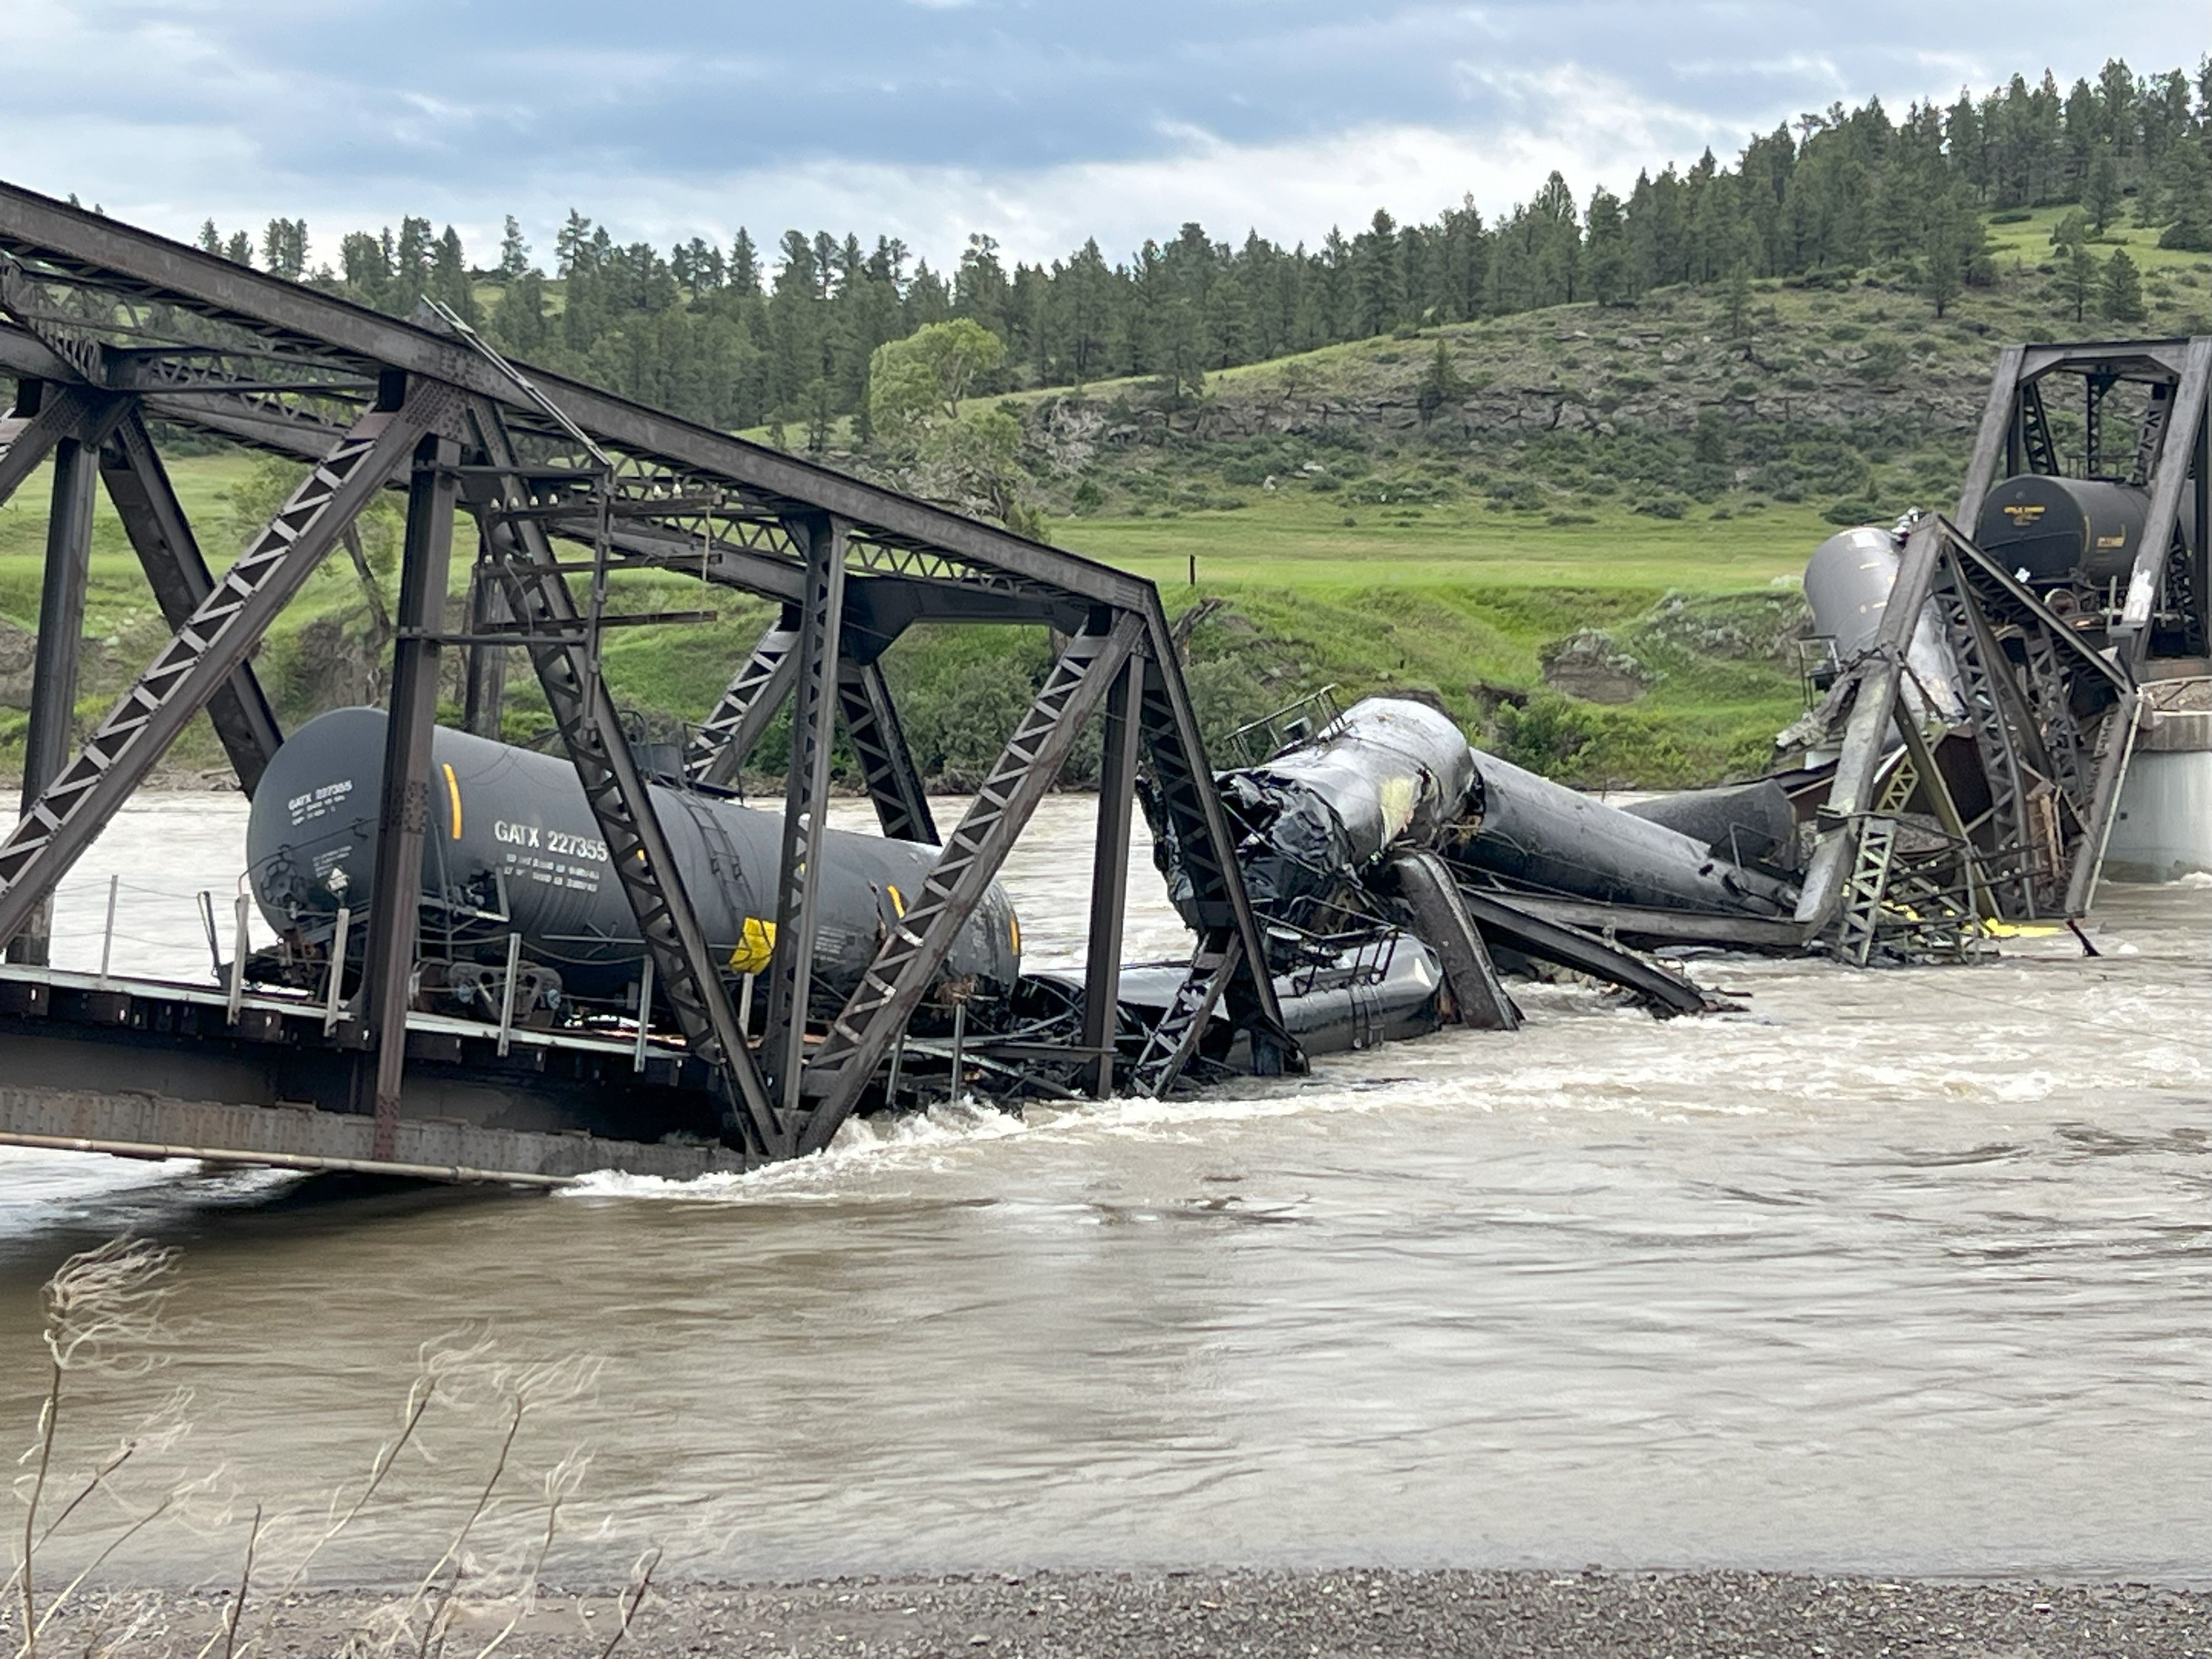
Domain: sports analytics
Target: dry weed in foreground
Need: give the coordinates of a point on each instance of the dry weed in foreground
(103, 1315)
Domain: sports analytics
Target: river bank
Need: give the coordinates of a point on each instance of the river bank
(1590, 1614)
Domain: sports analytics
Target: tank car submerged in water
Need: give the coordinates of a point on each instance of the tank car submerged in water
(511, 847)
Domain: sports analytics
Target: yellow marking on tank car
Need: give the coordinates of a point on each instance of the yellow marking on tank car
(453, 794)
(755, 947)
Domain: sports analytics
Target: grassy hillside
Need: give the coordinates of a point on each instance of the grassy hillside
(1451, 511)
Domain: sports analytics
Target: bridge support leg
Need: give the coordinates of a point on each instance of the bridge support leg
(806, 802)
(1110, 877)
(402, 808)
(47, 743)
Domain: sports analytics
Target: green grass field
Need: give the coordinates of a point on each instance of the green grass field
(1300, 540)
(1454, 602)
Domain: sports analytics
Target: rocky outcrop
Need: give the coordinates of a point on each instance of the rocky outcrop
(1590, 666)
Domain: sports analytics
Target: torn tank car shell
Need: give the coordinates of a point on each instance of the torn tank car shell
(1393, 866)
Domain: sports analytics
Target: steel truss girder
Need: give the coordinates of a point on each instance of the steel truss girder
(637, 846)
(404, 795)
(1851, 792)
(1171, 1043)
(138, 485)
(721, 742)
(1990, 698)
(1191, 812)
(806, 802)
(61, 413)
(1110, 877)
(2178, 435)
(206, 651)
(85, 248)
(917, 946)
(872, 727)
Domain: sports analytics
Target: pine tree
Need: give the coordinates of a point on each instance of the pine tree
(239, 250)
(1441, 384)
(518, 319)
(2185, 177)
(2120, 296)
(2077, 278)
(1606, 265)
(2101, 190)
(449, 281)
(513, 251)
(1735, 299)
(744, 265)
(1942, 252)
(209, 239)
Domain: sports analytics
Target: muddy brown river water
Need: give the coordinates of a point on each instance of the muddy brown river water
(1902, 1271)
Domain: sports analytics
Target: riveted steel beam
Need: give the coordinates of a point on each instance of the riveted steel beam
(138, 485)
(912, 956)
(1110, 877)
(68, 572)
(806, 802)
(638, 850)
(60, 415)
(2169, 474)
(484, 676)
(296, 316)
(872, 727)
(1190, 812)
(1850, 795)
(721, 742)
(222, 629)
(402, 804)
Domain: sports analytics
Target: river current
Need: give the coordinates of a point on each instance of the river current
(1904, 1271)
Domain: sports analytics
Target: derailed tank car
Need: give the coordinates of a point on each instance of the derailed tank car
(511, 848)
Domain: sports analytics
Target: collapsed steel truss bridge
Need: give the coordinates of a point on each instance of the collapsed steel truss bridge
(108, 330)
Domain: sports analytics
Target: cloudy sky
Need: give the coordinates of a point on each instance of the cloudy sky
(1035, 122)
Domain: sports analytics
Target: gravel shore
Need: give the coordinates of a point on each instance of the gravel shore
(1108, 1615)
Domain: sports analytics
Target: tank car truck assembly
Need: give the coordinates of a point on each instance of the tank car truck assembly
(496, 964)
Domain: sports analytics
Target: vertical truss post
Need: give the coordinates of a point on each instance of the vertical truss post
(47, 741)
(806, 802)
(916, 950)
(402, 805)
(145, 499)
(2179, 441)
(484, 681)
(1998, 441)
(1109, 879)
(720, 746)
(872, 726)
(2116, 748)
(1992, 701)
(1222, 910)
(638, 851)
(1170, 1044)
(206, 651)
(1873, 708)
